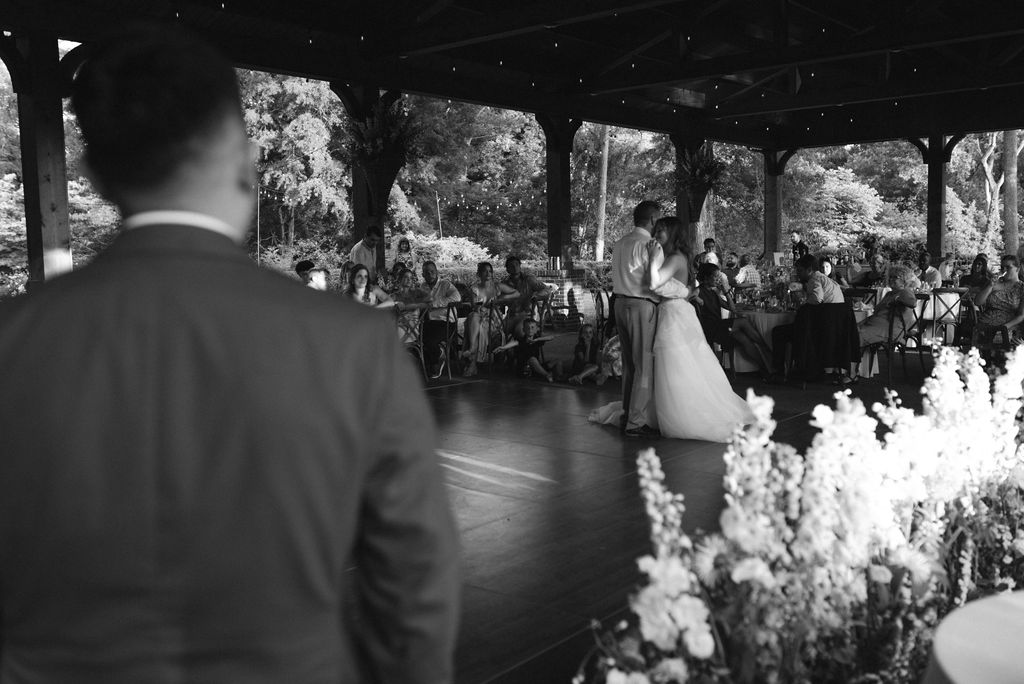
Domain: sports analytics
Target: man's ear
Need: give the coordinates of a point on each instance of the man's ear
(97, 184)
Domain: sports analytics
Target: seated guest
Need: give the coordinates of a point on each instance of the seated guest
(360, 289)
(928, 274)
(530, 290)
(480, 338)
(818, 290)
(873, 277)
(1002, 301)
(586, 358)
(826, 267)
(978, 279)
(317, 279)
(303, 268)
(900, 302)
(409, 301)
(435, 328)
(748, 275)
(947, 268)
(737, 332)
(528, 352)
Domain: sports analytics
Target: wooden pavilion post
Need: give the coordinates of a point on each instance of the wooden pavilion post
(774, 166)
(372, 176)
(559, 133)
(936, 154)
(34, 63)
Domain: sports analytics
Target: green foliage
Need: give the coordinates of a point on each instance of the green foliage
(297, 125)
(482, 169)
(453, 248)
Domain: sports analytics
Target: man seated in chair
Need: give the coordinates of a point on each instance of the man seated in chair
(818, 289)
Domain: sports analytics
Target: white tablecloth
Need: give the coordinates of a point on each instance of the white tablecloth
(766, 321)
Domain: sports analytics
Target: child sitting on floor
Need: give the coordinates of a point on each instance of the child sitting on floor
(586, 359)
(528, 348)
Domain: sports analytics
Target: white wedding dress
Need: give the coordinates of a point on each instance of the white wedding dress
(692, 395)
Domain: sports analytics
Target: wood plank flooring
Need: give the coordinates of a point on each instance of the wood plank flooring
(550, 514)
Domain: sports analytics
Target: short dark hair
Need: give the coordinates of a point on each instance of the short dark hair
(304, 266)
(644, 211)
(147, 101)
(808, 262)
(745, 259)
(1012, 258)
(373, 230)
(706, 271)
(512, 258)
(709, 241)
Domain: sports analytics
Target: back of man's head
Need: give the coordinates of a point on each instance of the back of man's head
(808, 262)
(706, 273)
(149, 101)
(644, 212)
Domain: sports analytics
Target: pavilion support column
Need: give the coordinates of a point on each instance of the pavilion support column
(693, 153)
(774, 167)
(936, 153)
(559, 133)
(375, 166)
(44, 166)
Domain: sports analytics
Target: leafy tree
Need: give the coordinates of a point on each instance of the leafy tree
(298, 126)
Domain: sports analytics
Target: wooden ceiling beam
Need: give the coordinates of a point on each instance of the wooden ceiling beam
(774, 104)
(771, 60)
(487, 27)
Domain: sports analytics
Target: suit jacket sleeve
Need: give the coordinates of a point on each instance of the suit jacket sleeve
(815, 291)
(407, 553)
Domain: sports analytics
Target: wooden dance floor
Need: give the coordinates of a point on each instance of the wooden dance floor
(550, 515)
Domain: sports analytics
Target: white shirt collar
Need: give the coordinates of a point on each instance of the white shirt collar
(169, 217)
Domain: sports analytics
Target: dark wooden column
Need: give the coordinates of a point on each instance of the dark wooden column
(936, 154)
(774, 166)
(370, 190)
(559, 132)
(40, 86)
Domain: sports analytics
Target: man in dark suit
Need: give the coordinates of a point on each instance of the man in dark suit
(208, 472)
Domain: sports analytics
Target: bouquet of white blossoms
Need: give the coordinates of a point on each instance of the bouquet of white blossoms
(835, 565)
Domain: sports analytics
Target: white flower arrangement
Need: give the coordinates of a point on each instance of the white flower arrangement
(836, 564)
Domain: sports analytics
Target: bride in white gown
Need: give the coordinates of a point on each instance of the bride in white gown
(692, 396)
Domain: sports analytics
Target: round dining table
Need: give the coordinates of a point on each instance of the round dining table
(766, 321)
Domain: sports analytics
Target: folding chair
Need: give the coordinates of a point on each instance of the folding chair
(868, 295)
(602, 314)
(947, 311)
(410, 331)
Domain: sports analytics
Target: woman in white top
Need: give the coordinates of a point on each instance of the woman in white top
(359, 289)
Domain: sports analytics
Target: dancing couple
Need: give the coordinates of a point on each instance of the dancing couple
(672, 383)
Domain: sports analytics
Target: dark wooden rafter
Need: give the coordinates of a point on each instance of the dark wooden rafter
(984, 78)
(862, 46)
(487, 27)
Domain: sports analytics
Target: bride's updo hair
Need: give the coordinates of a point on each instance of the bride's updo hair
(677, 237)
